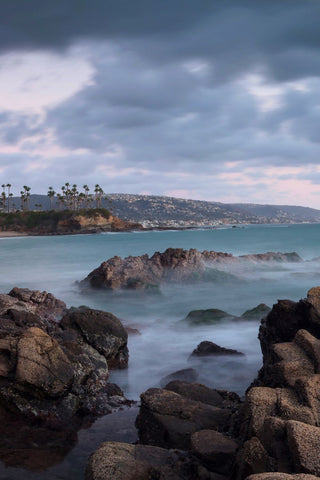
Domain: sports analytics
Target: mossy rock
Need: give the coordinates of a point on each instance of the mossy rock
(207, 317)
(257, 313)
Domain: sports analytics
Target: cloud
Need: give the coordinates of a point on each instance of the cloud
(203, 99)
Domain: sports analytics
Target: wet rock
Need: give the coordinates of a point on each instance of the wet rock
(174, 264)
(167, 419)
(42, 366)
(55, 373)
(207, 348)
(102, 330)
(215, 450)
(207, 317)
(42, 304)
(257, 313)
(185, 375)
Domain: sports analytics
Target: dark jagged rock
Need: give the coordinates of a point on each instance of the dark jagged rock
(40, 303)
(207, 317)
(206, 348)
(257, 313)
(173, 265)
(102, 331)
(56, 372)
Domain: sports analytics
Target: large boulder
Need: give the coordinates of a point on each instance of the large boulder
(55, 372)
(167, 419)
(102, 330)
(172, 265)
(121, 461)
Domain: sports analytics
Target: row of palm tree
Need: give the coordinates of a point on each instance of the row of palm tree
(70, 198)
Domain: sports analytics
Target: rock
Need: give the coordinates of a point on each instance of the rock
(197, 392)
(207, 348)
(251, 459)
(102, 330)
(290, 257)
(281, 476)
(185, 375)
(167, 419)
(40, 303)
(55, 373)
(304, 443)
(42, 366)
(207, 317)
(121, 461)
(172, 265)
(257, 313)
(215, 450)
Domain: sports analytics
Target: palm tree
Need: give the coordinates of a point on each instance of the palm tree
(51, 193)
(86, 190)
(9, 195)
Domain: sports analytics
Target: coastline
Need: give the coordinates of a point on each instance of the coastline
(12, 233)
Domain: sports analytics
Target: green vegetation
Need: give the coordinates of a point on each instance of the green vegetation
(47, 220)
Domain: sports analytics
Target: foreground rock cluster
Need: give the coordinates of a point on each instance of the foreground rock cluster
(54, 362)
(189, 431)
(175, 264)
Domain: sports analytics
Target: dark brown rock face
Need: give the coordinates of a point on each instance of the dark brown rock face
(40, 303)
(175, 264)
(54, 372)
(280, 418)
(102, 331)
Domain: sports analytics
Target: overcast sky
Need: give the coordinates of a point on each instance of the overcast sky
(206, 99)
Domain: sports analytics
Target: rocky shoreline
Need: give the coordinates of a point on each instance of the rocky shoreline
(189, 431)
(54, 365)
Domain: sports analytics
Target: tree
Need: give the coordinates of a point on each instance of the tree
(51, 193)
(9, 195)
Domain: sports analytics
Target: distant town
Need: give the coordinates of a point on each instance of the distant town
(153, 211)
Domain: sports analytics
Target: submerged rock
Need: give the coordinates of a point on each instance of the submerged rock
(172, 265)
(207, 348)
(207, 317)
(257, 313)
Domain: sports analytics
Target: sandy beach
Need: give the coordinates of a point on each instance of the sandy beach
(11, 233)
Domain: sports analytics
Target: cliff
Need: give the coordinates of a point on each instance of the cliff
(64, 222)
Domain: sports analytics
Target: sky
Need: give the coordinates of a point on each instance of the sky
(213, 100)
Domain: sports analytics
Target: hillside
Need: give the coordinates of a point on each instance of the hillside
(174, 212)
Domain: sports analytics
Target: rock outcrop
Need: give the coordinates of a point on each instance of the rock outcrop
(280, 418)
(207, 348)
(273, 435)
(54, 372)
(175, 264)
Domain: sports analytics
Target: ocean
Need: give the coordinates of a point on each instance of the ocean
(57, 263)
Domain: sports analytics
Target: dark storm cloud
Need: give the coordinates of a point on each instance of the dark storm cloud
(281, 36)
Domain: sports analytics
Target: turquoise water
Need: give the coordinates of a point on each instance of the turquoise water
(165, 342)
(56, 263)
